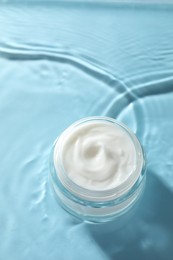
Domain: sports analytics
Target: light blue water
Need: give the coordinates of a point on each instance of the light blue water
(60, 62)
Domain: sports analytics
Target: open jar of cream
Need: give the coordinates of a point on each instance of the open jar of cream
(97, 169)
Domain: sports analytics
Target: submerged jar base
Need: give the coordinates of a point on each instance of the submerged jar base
(95, 214)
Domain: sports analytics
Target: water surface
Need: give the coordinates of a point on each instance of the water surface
(64, 61)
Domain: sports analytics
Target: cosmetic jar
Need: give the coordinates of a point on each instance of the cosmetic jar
(120, 156)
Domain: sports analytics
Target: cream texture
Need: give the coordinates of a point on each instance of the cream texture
(97, 155)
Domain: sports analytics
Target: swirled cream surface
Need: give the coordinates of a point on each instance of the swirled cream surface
(97, 155)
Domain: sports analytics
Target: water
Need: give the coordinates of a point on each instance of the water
(64, 61)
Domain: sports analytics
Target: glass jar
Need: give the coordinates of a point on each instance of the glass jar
(97, 206)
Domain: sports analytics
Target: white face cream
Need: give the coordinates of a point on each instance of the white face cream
(97, 169)
(97, 155)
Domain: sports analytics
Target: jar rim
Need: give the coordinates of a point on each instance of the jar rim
(100, 195)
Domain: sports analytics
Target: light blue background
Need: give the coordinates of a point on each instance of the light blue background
(60, 62)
